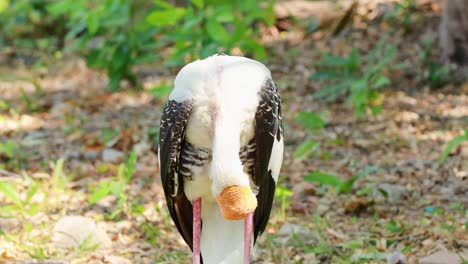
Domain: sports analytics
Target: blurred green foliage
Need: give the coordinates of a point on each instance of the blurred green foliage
(405, 15)
(27, 25)
(313, 123)
(207, 27)
(111, 34)
(435, 73)
(453, 144)
(357, 76)
(116, 35)
(12, 155)
(117, 186)
(3, 5)
(341, 186)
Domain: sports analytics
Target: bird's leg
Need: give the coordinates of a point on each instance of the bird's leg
(196, 204)
(248, 226)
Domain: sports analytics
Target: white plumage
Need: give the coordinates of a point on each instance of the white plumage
(222, 120)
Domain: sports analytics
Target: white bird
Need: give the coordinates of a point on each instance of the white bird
(220, 153)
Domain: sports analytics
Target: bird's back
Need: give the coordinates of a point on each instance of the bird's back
(220, 85)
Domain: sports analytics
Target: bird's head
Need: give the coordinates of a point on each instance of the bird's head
(237, 202)
(230, 185)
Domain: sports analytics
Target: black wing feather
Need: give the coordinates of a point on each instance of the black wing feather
(268, 127)
(172, 137)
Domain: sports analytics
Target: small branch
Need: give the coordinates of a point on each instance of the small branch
(9, 175)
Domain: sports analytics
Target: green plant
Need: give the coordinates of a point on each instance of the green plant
(8, 149)
(357, 76)
(32, 101)
(151, 233)
(12, 154)
(310, 120)
(452, 144)
(20, 204)
(404, 15)
(4, 105)
(313, 123)
(27, 25)
(59, 180)
(341, 186)
(435, 73)
(116, 186)
(283, 196)
(3, 5)
(160, 91)
(111, 34)
(108, 134)
(203, 28)
(117, 35)
(87, 245)
(306, 148)
(370, 257)
(394, 227)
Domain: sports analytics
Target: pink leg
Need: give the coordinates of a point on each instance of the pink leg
(248, 237)
(196, 204)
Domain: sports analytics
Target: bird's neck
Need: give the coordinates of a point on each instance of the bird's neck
(226, 167)
(221, 239)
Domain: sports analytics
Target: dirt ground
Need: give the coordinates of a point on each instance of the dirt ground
(406, 208)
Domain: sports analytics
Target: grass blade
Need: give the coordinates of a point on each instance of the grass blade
(324, 178)
(10, 191)
(451, 145)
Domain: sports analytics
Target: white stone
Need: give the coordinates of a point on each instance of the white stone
(441, 257)
(112, 155)
(72, 231)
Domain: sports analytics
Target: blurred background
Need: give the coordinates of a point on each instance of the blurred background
(375, 104)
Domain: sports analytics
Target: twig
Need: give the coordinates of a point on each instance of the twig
(9, 175)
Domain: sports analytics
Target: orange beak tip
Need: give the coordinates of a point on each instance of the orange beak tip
(237, 202)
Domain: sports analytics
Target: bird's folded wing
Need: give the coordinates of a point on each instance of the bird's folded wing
(171, 137)
(268, 133)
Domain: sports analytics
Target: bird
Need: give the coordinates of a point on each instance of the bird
(220, 152)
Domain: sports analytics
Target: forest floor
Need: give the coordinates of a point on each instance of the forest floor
(65, 145)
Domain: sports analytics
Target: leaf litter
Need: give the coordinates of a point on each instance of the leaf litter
(409, 208)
